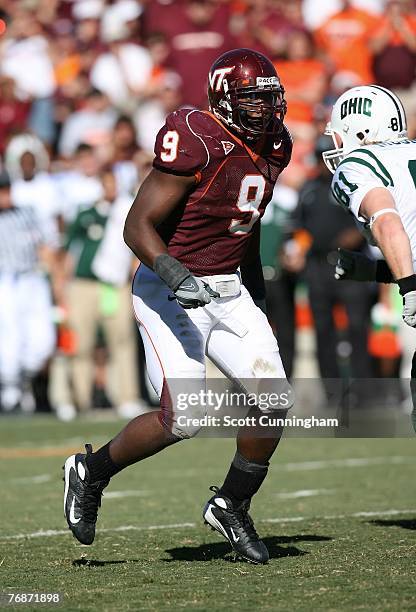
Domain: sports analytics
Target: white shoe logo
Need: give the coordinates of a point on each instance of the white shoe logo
(81, 470)
(277, 146)
(72, 517)
(233, 534)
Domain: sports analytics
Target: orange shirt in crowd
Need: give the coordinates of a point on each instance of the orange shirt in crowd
(396, 39)
(298, 77)
(67, 69)
(344, 38)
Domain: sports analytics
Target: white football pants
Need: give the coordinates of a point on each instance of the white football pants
(232, 331)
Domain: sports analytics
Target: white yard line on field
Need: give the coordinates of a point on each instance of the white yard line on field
(121, 494)
(332, 517)
(58, 532)
(286, 519)
(348, 462)
(324, 464)
(41, 478)
(304, 493)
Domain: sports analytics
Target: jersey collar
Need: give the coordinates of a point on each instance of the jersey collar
(254, 156)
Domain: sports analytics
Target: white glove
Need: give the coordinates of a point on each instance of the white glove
(409, 308)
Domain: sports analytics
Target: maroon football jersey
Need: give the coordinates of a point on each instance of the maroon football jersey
(210, 232)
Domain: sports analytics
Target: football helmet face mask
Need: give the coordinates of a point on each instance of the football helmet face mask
(245, 94)
(363, 115)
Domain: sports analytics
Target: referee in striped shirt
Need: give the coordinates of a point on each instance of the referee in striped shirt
(27, 337)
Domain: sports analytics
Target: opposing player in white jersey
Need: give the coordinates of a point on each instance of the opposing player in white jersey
(374, 165)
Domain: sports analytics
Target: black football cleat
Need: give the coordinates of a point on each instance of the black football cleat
(82, 498)
(236, 525)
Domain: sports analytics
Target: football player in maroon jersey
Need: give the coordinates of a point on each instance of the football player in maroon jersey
(199, 290)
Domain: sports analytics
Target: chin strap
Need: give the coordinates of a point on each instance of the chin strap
(378, 214)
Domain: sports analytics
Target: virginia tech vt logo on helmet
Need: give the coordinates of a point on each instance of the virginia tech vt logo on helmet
(356, 106)
(217, 76)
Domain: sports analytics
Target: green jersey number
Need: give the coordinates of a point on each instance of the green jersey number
(340, 193)
(412, 169)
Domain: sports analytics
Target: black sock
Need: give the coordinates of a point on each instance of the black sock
(100, 465)
(243, 480)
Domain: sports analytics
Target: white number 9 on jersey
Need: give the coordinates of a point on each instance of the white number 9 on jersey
(249, 199)
(170, 144)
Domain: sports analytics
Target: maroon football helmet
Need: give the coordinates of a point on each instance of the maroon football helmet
(245, 93)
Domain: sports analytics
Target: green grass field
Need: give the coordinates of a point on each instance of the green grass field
(338, 517)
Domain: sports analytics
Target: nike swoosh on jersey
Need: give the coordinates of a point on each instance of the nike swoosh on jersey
(275, 147)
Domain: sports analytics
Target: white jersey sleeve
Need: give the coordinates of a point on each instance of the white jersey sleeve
(360, 172)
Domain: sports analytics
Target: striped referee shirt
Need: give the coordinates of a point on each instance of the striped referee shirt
(20, 237)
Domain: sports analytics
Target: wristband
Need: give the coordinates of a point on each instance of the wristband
(406, 284)
(170, 270)
(383, 272)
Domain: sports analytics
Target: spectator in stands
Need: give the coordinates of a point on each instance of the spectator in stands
(122, 14)
(123, 71)
(151, 115)
(121, 154)
(292, 11)
(315, 14)
(79, 185)
(159, 49)
(14, 113)
(86, 15)
(160, 16)
(99, 294)
(344, 39)
(92, 124)
(201, 34)
(25, 57)
(66, 58)
(264, 27)
(305, 82)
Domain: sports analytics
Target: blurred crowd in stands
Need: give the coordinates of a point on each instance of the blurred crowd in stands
(85, 85)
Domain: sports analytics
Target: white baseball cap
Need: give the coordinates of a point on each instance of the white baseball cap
(87, 9)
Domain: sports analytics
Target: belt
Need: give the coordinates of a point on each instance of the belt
(227, 285)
